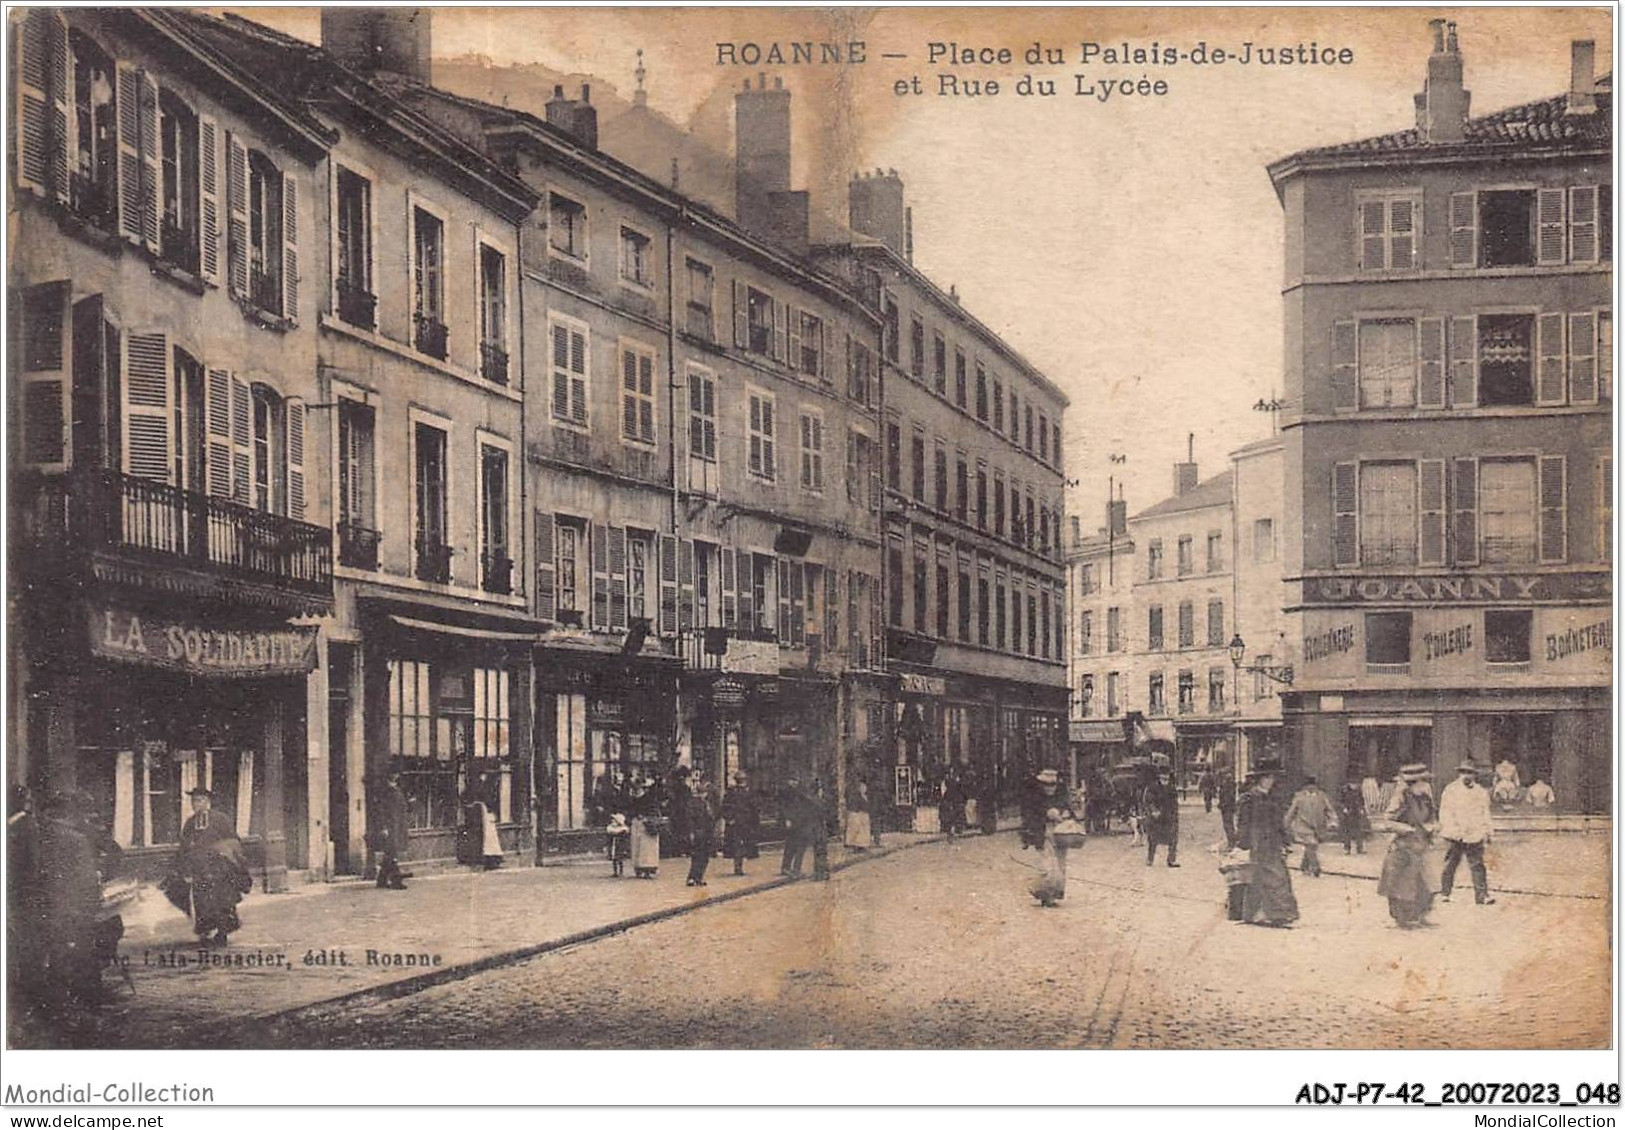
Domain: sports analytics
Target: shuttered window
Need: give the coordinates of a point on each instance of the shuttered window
(44, 343)
(1390, 230)
(1554, 509)
(637, 394)
(1388, 514)
(1507, 512)
(702, 415)
(1388, 364)
(762, 457)
(569, 365)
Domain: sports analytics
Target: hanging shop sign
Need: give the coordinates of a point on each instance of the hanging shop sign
(605, 712)
(200, 648)
(728, 694)
(751, 657)
(934, 685)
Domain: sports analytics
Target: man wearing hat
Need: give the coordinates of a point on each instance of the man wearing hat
(1159, 805)
(1464, 825)
(1268, 899)
(390, 836)
(212, 863)
(1035, 803)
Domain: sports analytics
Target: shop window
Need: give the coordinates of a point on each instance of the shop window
(1388, 642)
(1506, 635)
(1506, 359)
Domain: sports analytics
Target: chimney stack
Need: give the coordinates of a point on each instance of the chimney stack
(578, 119)
(875, 208)
(1443, 104)
(1185, 473)
(396, 40)
(1583, 77)
(1077, 528)
(763, 201)
(1117, 517)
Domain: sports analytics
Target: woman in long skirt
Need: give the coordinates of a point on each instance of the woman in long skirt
(858, 820)
(646, 824)
(1269, 900)
(1405, 882)
(1050, 886)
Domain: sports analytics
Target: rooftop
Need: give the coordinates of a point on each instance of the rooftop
(1212, 492)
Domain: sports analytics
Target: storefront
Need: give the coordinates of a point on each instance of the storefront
(1095, 746)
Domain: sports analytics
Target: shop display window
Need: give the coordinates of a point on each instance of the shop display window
(449, 730)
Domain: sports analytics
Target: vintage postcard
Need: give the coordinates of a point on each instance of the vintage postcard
(812, 528)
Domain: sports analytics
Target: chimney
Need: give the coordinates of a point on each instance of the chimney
(1117, 517)
(875, 208)
(396, 40)
(763, 200)
(1583, 77)
(578, 119)
(1443, 104)
(1185, 473)
(1077, 528)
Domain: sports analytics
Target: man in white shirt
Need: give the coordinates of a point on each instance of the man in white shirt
(1464, 824)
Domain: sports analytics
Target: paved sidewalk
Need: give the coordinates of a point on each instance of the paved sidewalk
(1559, 864)
(315, 944)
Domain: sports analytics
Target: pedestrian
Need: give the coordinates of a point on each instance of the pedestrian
(1309, 821)
(1159, 815)
(702, 830)
(1269, 900)
(1351, 817)
(1464, 825)
(1210, 789)
(859, 826)
(618, 845)
(390, 837)
(742, 823)
(818, 811)
(987, 802)
(644, 816)
(951, 808)
(482, 844)
(678, 792)
(1061, 832)
(1405, 882)
(791, 805)
(1225, 786)
(212, 870)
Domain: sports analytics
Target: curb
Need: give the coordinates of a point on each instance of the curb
(417, 983)
(1493, 890)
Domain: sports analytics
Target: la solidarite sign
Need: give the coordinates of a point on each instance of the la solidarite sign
(201, 649)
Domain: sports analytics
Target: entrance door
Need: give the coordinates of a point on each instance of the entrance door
(339, 666)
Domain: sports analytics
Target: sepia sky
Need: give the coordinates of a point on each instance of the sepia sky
(1130, 249)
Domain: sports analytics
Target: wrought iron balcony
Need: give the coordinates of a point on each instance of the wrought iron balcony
(429, 336)
(433, 562)
(357, 307)
(493, 363)
(358, 546)
(92, 201)
(496, 572)
(179, 246)
(137, 526)
(265, 290)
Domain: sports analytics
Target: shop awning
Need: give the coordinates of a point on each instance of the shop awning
(460, 630)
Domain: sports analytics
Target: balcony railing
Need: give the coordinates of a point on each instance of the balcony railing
(180, 246)
(434, 562)
(496, 572)
(429, 336)
(707, 649)
(358, 546)
(358, 307)
(265, 290)
(92, 201)
(493, 363)
(140, 519)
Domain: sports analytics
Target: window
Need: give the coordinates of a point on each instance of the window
(1043, 625)
(637, 394)
(998, 406)
(941, 478)
(1028, 443)
(1086, 695)
(93, 176)
(894, 455)
(1015, 618)
(1154, 628)
(1015, 416)
(1187, 624)
(428, 284)
(1507, 513)
(1388, 514)
(811, 358)
(1187, 692)
(916, 349)
(178, 153)
(701, 291)
(1086, 633)
(571, 536)
(939, 364)
(706, 604)
(1605, 508)
(981, 497)
(1215, 551)
(1263, 540)
(761, 587)
(569, 371)
(762, 461)
(1114, 629)
(429, 470)
(567, 226)
(1506, 357)
(1215, 690)
(959, 378)
(964, 602)
(1186, 563)
(1032, 624)
(859, 371)
(1388, 225)
(891, 331)
(1153, 560)
(1215, 623)
(637, 263)
(1043, 437)
(999, 614)
(1156, 695)
(1388, 363)
(759, 321)
(1388, 642)
(449, 727)
(267, 453)
(639, 554)
(917, 464)
(265, 234)
(702, 415)
(944, 599)
(493, 315)
(861, 482)
(961, 488)
(496, 563)
(356, 302)
(1263, 685)
(1506, 228)
(1114, 702)
(981, 392)
(812, 452)
(1087, 582)
(922, 590)
(998, 505)
(358, 536)
(1506, 635)
(983, 625)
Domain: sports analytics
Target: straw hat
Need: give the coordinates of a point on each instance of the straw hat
(1048, 776)
(1416, 771)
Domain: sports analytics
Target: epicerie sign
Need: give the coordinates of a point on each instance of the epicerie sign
(200, 649)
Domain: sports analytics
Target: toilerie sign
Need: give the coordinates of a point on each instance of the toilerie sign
(1458, 588)
(201, 648)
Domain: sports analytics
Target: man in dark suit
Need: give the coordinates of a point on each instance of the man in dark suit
(391, 833)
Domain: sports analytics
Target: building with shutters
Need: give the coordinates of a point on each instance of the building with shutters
(172, 551)
(1100, 572)
(1447, 530)
(973, 574)
(413, 291)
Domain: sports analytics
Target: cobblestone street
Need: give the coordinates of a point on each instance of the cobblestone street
(942, 947)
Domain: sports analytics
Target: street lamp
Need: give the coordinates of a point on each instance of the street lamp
(1238, 652)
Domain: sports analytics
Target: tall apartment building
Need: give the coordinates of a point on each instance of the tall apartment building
(974, 587)
(1100, 572)
(1265, 639)
(1448, 452)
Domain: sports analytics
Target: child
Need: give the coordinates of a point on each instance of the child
(620, 843)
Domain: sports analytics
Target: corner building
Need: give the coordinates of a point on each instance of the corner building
(1449, 461)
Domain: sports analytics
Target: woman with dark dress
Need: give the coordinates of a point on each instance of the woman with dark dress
(1269, 900)
(742, 823)
(1405, 882)
(951, 808)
